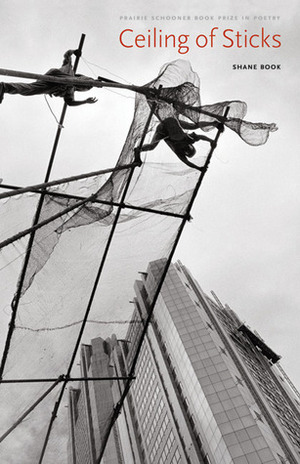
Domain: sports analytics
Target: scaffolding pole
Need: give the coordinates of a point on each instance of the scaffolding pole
(29, 410)
(92, 295)
(15, 303)
(53, 183)
(119, 405)
(150, 92)
(63, 378)
(99, 201)
(73, 81)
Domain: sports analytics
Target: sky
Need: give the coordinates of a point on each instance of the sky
(243, 240)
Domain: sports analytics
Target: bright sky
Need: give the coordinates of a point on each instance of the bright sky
(243, 242)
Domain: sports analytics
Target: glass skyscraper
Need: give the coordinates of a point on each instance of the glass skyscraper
(208, 389)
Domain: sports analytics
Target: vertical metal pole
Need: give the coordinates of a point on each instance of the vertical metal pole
(91, 299)
(16, 299)
(42, 199)
(119, 405)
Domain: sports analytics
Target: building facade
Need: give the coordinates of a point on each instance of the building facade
(208, 389)
(91, 407)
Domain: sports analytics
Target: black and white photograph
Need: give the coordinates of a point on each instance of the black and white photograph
(149, 248)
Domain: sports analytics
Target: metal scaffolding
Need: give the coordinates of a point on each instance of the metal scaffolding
(44, 189)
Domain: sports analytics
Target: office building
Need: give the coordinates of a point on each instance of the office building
(208, 389)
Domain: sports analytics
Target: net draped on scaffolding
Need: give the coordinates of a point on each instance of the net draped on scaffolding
(139, 212)
(184, 101)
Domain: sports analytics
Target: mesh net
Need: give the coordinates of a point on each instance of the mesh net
(184, 100)
(82, 264)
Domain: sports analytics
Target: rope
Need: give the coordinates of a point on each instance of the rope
(103, 69)
(87, 63)
(52, 112)
(67, 326)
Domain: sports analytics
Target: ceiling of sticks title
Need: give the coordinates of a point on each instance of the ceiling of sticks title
(226, 38)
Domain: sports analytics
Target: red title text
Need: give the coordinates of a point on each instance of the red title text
(227, 38)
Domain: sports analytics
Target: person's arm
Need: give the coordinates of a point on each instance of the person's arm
(198, 125)
(72, 102)
(217, 124)
(188, 125)
(196, 137)
(68, 54)
(157, 137)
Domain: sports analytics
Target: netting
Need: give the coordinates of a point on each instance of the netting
(98, 234)
(184, 100)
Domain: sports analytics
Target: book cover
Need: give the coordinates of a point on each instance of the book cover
(240, 238)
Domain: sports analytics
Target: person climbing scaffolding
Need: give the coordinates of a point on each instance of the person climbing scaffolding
(172, 131)
(53, 89)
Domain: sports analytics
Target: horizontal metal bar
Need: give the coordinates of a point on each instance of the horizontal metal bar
(95, 200)
(65, 180)
(38, 225)
(29, 410)
(73, 81)
(66, 379)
